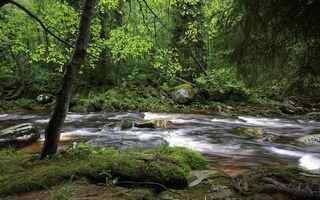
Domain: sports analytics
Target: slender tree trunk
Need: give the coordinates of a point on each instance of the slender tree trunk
(119, 14)
(189, 48)
(52, 135)
(102, 72)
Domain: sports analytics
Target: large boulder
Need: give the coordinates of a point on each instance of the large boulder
(183, 93)
(19, 135)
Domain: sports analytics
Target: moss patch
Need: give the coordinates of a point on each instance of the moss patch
(167, 166)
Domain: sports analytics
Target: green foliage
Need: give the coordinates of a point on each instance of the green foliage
(11, 161)
(24, 103)
(108, 4)
(124, 100)
(223, 80)
(124, 46)
(167, 64)
(129, 45)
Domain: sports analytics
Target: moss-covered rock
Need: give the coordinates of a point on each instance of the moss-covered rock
(183, 93)
(167, 166)
(158, 123)
(250, 132)
(126, 124)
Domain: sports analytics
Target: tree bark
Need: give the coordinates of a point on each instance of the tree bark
(52, 135)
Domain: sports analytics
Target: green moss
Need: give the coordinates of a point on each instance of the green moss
(185, 157)
(63, 192)
(24, 103)
(12, 161)
(168, 166)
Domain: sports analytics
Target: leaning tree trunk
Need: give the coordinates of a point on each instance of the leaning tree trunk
(52, 134)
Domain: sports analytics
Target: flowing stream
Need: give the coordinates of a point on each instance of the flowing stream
(210, 135)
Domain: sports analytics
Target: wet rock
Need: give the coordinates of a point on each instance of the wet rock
(159, 123)
(250, 132)
(19, 136)
(200, 176)
(145, 124)
(44, 98)
(126, 124)
(314, 116)
(269, 138)
(313, 139)
(220, 192)
(183, 93)
(289, 107)
(125, 142)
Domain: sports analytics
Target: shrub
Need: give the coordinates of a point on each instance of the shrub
(24, 103)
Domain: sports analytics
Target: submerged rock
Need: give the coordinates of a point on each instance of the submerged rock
(19, 136)
(126, 142)
(310, 139)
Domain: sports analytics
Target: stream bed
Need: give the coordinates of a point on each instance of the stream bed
(211, 135)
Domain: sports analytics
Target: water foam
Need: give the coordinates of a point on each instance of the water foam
(83, 132)
(4, 115)
(310, 162)
(306, 160)
(152, 116)
(268, 122)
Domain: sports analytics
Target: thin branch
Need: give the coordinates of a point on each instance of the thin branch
(143, 16)
(156, 16)
(45, 28)
(39, 21)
